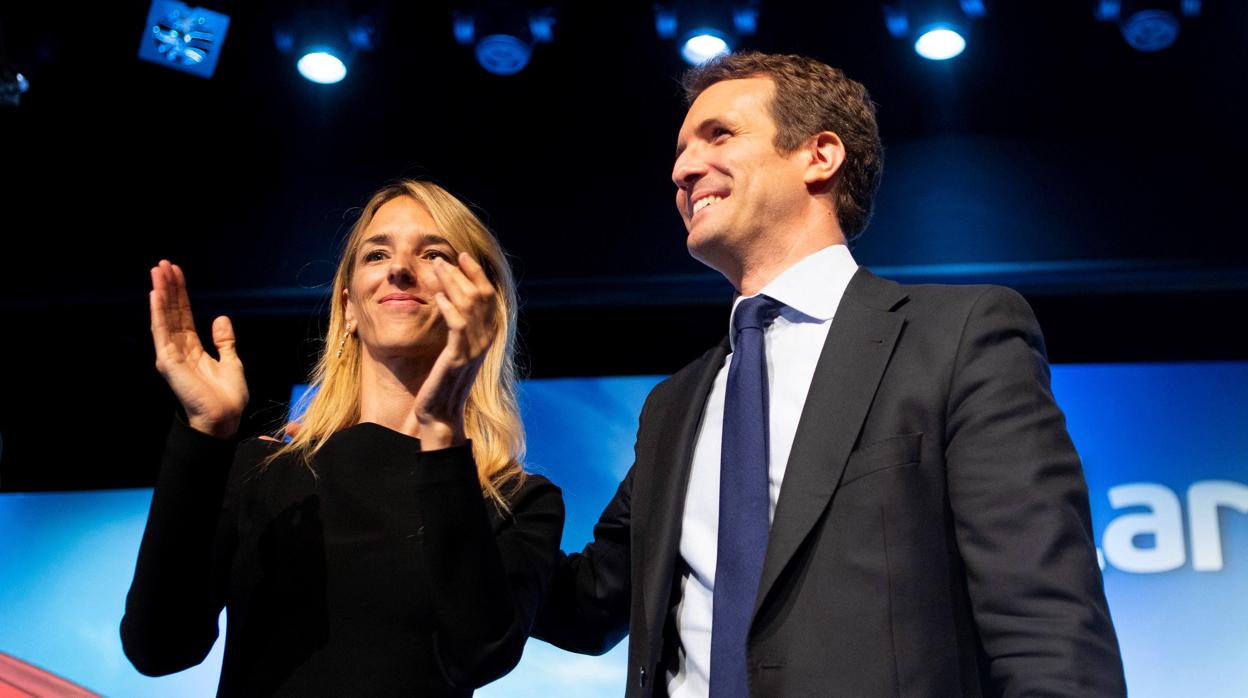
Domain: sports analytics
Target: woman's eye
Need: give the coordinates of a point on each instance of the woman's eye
(374, 256)
(437, 254)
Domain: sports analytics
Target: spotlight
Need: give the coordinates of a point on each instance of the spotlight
(325, 41)
(704, 45)
(187, 39)
(939, 44)
(320, 65)
(12, 84)
(1147, 26)
(936, 28)
(705, 30)
(503, 35)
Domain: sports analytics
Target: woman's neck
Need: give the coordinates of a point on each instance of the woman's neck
(388, 389)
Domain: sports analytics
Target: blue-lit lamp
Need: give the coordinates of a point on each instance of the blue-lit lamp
(939, 43)
(705, 30)
(701, 45)
(1148, 26)
(937, 29)
(12, 85)
(324, 43)
(187, 39)
(502, 37)
(322, 65)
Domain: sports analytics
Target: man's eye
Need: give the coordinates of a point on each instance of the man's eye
(720, 133)
(374, 256)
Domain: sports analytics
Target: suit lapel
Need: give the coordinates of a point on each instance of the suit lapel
(855, 354)
(673, 459)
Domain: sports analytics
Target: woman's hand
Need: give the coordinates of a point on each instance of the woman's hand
(467, 306)
(213, 392)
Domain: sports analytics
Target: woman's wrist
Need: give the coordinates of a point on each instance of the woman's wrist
(435, 434)
(218, 429)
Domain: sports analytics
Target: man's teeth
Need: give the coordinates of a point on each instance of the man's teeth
(707, 201)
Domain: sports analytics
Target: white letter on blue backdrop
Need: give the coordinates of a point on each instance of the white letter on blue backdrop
(1203, 500)
(1164, 522)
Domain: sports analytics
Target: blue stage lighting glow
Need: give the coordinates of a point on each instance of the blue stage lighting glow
(703, 45)
(542, 27)
(939, 44)
(503, 54)
(464, 27)
(1150, 30)
(22, 84)
(184, 38)
(665, 23)
(322, 67)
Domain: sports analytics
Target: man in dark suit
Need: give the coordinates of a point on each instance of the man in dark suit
(867, 489)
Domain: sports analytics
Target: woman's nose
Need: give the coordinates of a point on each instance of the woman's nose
(401, 272)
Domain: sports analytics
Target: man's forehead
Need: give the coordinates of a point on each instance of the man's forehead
(727, 99)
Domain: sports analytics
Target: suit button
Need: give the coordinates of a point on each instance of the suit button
(641, 678)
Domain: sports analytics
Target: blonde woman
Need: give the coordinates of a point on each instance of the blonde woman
(394, 546)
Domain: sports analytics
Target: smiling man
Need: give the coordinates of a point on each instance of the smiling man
(866, 489)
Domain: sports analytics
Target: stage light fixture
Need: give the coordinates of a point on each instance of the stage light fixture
(1148, 26)
(325, 40)
(187, 39)
(939, 44)
(937, 29)
(321, 66)
(704, 30)
(503, 35)
(13, 84)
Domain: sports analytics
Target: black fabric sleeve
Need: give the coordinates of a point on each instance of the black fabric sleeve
(1021, 513)
(587, 611)
(488, 581)
(588, 608)
(170, 621)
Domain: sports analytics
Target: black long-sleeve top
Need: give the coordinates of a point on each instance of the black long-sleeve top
(381, 572)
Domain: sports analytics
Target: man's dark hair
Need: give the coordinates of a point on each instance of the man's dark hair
(811, 97)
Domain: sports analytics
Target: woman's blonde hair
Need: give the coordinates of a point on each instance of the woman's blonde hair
(491, 416)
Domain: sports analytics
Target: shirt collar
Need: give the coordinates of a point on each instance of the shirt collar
(812, 288)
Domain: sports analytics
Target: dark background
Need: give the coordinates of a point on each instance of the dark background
(1104, 183)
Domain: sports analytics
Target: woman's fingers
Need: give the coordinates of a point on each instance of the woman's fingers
(455, 285)
(455, 319)
(223, 337)
(181, 300)
(473, 272)
(156, 303)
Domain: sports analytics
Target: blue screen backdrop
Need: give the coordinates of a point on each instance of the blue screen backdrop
(1165, 449)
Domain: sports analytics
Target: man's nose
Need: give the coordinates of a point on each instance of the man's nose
(688, 168)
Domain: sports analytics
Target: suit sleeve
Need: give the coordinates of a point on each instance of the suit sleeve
(488, 581)
(588, 608)
(1020, 508)
(177, 594)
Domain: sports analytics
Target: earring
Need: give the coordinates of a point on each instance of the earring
(343, 344)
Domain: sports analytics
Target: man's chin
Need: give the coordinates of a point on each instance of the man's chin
(709, 250)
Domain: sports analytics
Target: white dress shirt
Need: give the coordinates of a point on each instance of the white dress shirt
(811, 290)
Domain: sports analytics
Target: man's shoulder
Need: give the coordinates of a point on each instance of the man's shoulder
(936, 299)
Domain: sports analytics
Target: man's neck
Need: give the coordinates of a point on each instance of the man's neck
(760, 265)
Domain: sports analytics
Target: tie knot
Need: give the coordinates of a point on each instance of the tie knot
(756, 312)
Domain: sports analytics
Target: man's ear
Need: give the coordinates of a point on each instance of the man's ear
(827, 154)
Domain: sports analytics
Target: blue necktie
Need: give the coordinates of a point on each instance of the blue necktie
(743, 498)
